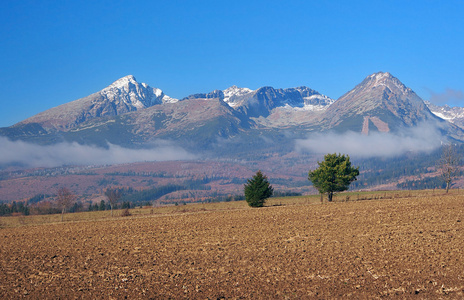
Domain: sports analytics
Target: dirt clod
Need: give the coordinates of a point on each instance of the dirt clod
(368, 249)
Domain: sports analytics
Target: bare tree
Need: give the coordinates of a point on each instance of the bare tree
(65, 199)
(448, 165)
(113, 195)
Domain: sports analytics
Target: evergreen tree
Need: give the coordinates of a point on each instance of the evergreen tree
(102, 205)
(257, 190)
(4, 209)
(13, 207)
(334, 174)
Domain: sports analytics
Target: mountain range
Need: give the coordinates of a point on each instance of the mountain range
(133, 114)
(454, 115)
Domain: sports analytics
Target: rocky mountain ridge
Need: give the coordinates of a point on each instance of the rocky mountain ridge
(127, 95)
(122, 96)
(382, 96)
(454, 115)
(130, 113)
(262, 101)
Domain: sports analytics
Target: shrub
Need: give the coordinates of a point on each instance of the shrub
(126, 213)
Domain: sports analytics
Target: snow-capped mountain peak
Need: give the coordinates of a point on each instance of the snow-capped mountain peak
(381, 96)
(385, 79)
(133, 94)
(380, 75)
(380, 102)
(234, 92)
(123, 82)
(122, 96)
(451, 114)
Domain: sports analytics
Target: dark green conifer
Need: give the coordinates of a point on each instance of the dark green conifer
(257, 190)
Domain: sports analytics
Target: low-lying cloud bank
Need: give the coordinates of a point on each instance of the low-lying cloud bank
(31, 155)
(423, 138)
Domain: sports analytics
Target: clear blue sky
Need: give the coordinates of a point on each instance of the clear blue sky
(53, 52)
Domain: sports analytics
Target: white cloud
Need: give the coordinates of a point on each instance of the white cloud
(449, 96)
(423, 138)
(32, 155)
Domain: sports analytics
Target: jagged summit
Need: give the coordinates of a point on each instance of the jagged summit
(127, 91)
(381, 79)
(122, 82)
(454, 115)
(128, 112)
(122, 96)
(263, 101)
(380, 75)
(233, 93)
(235, 90)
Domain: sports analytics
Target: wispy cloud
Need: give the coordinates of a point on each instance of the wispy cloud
(31, 155)
(449, 96)
(423, 138)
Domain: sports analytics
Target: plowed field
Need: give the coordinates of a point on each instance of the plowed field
(405, 248)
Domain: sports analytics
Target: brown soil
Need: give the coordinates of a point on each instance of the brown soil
(405, 248)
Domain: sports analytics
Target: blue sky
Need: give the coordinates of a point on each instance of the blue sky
(53, 52)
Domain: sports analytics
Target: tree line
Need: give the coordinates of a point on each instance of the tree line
(334, 174)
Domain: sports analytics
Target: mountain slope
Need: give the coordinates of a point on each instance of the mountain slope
(273, 108)
(131, 114)
(454, 115)
(234, 93)
(380, 102)
(122, 96)
(204, 117)
(262, 101)
(194, 122)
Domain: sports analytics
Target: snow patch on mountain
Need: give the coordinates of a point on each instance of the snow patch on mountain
(322, 102)
(446, 112)
(233, 92)
(299, 98)
(138, 95)
(307, 107)
(386, 79)
(122, 83)
(167, 99)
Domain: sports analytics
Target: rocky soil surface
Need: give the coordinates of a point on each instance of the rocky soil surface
(403, 248)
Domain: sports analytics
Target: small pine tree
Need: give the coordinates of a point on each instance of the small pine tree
(257, 190)
(102, 205)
